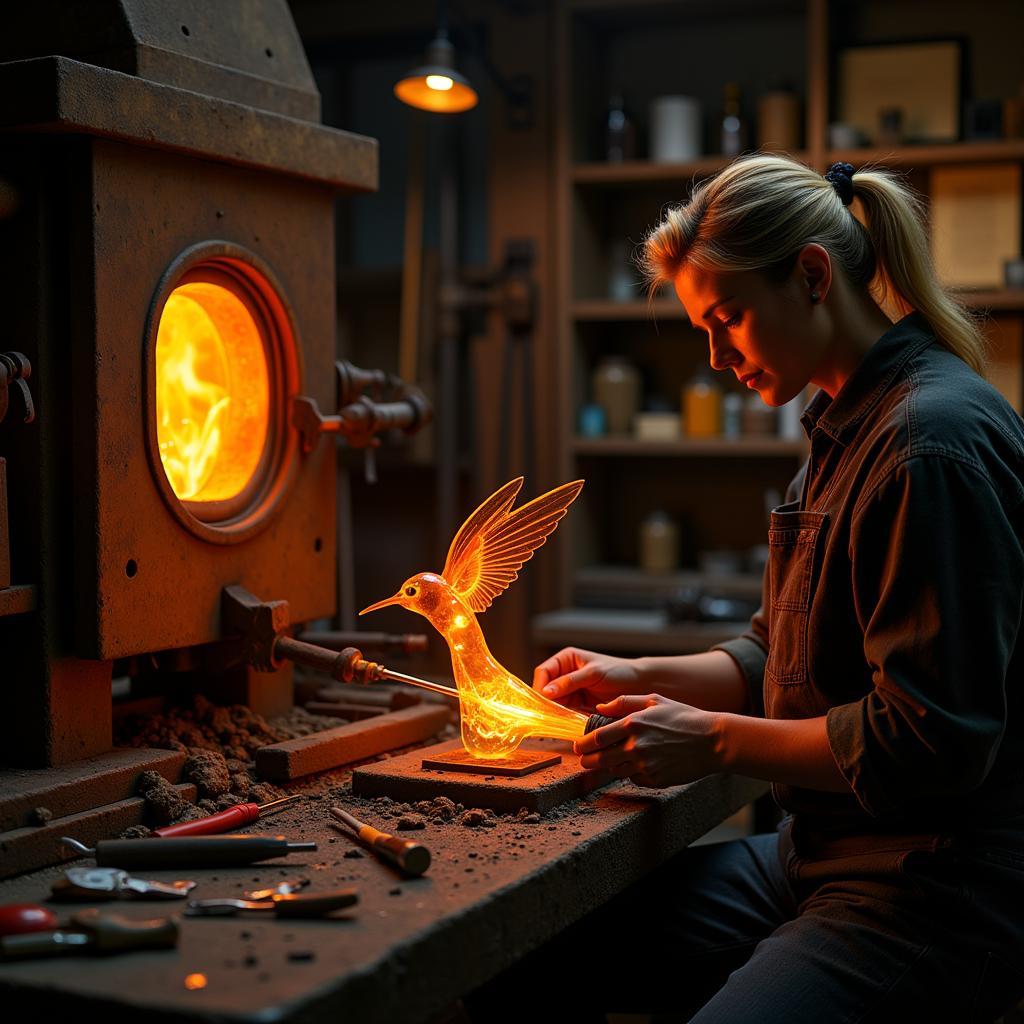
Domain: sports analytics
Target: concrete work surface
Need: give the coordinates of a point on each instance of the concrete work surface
(498, 887)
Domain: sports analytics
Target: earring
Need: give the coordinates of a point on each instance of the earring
(815, 297)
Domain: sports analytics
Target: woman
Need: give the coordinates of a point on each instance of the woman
(879, 687)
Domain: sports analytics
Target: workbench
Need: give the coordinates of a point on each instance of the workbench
(410, 948)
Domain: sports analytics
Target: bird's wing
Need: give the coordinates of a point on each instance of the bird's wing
(493, 544)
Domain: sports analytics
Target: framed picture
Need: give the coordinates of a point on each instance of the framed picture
(902, 93)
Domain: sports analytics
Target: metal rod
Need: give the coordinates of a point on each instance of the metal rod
(401, 677)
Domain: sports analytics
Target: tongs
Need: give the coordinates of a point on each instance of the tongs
(110, 883)
(280, 905)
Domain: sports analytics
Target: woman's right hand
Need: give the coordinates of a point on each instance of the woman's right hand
(581, 679)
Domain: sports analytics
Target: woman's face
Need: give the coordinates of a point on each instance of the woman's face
(760, 331)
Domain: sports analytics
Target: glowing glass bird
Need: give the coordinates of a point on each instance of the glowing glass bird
(498, 710)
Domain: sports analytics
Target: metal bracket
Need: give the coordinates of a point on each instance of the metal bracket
(15, 370)
(258, 623)
(262, 627)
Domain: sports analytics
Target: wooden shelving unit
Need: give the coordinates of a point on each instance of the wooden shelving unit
(714, 448)
(715, 487)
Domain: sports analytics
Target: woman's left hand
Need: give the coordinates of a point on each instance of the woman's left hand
(655, 742)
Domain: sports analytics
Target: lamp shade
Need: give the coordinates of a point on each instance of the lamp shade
(436, 85)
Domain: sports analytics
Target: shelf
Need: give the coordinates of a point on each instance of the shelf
(1003, 299)
(647, 172)
(634, 579)
(932, 155)
(647, 632)
(613, 311)
(16, 600)
(691, 447)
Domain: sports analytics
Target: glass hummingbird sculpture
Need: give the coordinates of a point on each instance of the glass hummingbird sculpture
(498, 710)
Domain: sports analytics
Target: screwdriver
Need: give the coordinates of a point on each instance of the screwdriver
(413, 858)
(236, 816)
(187, 851)
(91, 931)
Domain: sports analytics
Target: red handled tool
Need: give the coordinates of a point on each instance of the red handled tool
(22, 918)
(227, 820)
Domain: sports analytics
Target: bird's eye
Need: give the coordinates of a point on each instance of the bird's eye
(410, 591)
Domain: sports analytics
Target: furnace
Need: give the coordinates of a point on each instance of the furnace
(169, 190)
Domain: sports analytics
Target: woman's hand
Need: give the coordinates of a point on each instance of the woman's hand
(580, 679)
(655, 742)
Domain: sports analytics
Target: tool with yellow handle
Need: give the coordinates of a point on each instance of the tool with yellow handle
(413, 858)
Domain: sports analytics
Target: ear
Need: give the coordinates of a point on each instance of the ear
(814, 266)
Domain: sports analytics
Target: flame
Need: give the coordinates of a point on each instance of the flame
(212, 392)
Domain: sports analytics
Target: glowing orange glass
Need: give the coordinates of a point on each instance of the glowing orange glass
(212, 392)
(498, 709)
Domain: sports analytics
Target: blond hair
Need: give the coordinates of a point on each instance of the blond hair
(758, 213)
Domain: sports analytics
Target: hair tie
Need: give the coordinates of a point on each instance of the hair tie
(840, 176)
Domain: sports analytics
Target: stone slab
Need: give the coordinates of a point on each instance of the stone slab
(70, 788)
(26, 849)
(404, 778)
(282, 762)
(522, 762)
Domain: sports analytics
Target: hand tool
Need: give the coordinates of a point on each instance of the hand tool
(187, 851)
(370, 671)
(317, 904)
(93, 931)
(20, 918)
(109, 883)
(285, 888)
(236, 816)
(413, 858)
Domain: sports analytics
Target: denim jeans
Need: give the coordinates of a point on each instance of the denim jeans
(789, 929)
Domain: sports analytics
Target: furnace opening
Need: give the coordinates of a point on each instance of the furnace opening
(223, 366)
(212, 392)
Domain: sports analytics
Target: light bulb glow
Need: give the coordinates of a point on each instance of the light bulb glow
(441, 83)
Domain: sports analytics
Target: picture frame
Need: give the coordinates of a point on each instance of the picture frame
(907, 92)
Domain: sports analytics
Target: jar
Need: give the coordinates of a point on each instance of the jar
(616, 387)
(659, 543)
(702, 407)
(778, 121)
(759, 418)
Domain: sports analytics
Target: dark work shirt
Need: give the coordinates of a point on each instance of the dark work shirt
(893, 596)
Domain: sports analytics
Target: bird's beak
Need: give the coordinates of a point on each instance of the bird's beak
(382, 604)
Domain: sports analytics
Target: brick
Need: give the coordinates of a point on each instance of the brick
(68, 789)
(25, 849)
(280, 762)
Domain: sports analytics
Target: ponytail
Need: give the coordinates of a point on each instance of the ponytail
(758, 212)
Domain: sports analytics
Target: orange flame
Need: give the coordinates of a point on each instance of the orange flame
(212, 392)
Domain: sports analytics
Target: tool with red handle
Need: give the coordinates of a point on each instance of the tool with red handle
(227, 820)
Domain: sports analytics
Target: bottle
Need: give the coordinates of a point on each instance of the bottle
(732, 416)
(759, 418)
(620, 133)
(616, 387)
(659, 543)
(734, 128)
(702, 406)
